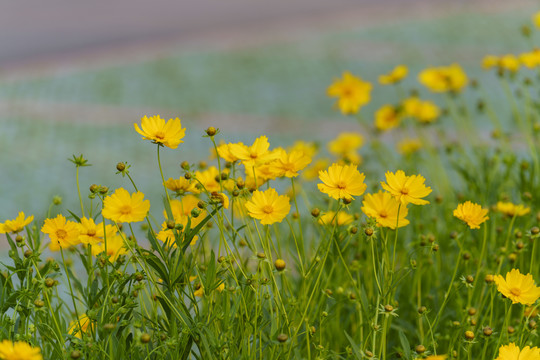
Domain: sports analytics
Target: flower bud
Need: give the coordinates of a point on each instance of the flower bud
(211, 131)
(145, 338)
(280, 264)
(282, 338)
(420, 349)
(487, 331)
(315, 212)
(120, 166)
(469, 335)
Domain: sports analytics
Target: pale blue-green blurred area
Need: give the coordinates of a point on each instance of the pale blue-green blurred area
(284, 80)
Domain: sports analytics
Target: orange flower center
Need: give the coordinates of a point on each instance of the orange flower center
(341, 185)
(268, 209)
(405, 191)
(515, 291)
(91, 232)
(253, 155)
(61, 234)
(160, 135)
(383, 214)
(126, 209)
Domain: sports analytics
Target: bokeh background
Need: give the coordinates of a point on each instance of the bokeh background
(76, 75)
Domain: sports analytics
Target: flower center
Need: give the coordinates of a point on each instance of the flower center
(61, 234)
(126, 209)
(253, 155)
(160, 135)
(383, 214)
(341, 185)
(267, 209)
(405, 191)
(515, 291)
(91, 232)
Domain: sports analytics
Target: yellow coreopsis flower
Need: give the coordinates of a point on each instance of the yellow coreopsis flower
(387, 117)
(536, 19)
(394, 76)
(509, 62)
(181, 211)
(268, 206)
(63, 233)
(518, 287)
(406, 189)
(513, 352)
(308, 148)
(225, 153)
(490, 61)
(330, 218)
(342, 182)
(220, 198)
(123, 207)
(19, 350)
(511, 210)
(85, 327)
(168, 133)
(92, 233)
(208, 180)
(312, 172)
(181, 186)
(384, 208)
(115, 247)
(424, 111)
(436, 357)
(530, 59)
(444, 78)
(471, 213)
(346, 143)
(351, 91)
(407, 147)
(255, 154)
(16, 225)
(289, 164)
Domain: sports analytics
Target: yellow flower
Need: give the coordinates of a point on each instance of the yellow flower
(154, 128)
(509, 62)
(289, 164)
(351, 91)
(268, 206)
(181, 186)
(167, 236)
(490, 61)
(395, 76)
(342, 182)
(424, 111)
(85, 327)
(530, 59)
(509, 209)
(471, 213)
(123, 207)
(92, 233)
(19, 350)
(63, 233)
(330, 218)
(115, 247)
(409, 146)
(518, 287)
(536, 19)
(387, 117)
(383, 207)
(181, 211)
(436, 357)
(444, 78)
(208, 182)
(406, 189)
(16, 225)
(255, 154)
(346, 143)
(225, 153)
(308, 148)
(312, 172)
(512, 352)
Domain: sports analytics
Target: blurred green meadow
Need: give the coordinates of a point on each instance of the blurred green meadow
(281, 83)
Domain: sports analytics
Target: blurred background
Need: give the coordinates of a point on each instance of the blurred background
(76, 75)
